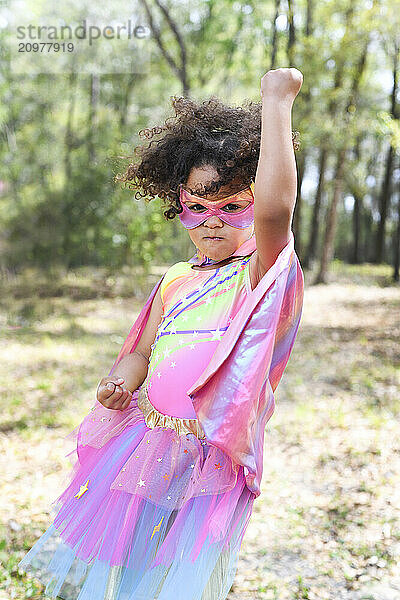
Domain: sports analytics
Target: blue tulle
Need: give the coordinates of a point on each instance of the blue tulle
(68, 577)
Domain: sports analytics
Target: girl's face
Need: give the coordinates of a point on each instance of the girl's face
(215, 238)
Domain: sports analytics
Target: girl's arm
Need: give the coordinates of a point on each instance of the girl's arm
(276, 177)
(133, 367)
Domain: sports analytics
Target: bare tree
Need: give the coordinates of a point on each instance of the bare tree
(180, 69)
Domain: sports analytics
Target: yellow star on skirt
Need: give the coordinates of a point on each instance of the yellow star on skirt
(83, 489)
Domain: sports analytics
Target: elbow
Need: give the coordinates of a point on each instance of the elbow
(277, 220)
(272, 211)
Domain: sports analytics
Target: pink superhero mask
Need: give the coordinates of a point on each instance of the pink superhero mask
(241, 218)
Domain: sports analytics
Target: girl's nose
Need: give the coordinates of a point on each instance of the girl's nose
(213, 221)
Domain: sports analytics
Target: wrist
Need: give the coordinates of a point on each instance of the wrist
(268, 97)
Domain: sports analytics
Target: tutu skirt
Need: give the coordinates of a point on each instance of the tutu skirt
(151, 511)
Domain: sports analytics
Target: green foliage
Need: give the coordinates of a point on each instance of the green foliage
(58, 202)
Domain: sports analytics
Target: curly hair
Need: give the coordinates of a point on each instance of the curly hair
(200, 133)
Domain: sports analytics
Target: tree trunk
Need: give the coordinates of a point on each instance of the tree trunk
(297, 229)
(357, 210)
(384, 201)
(309, 18)
(314, 232)
(69, 146)
(327, 251)
(396, 245)
(306, 92)
(94, 92)
(290, 51)
(384, 198)
(291, 34)
(274, 40)
(328, 246)
(123, 115)
(68, 139)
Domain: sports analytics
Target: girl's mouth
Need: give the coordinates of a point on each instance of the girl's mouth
(216, 238)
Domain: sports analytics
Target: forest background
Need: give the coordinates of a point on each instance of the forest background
(79, 254)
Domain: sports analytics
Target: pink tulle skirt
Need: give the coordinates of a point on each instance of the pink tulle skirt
(149, 513)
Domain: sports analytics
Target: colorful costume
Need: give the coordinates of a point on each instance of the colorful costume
(162, 492)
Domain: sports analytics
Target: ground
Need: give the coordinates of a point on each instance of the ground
(326, 525)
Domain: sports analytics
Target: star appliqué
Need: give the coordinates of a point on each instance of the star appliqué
(216, 335)
(82, 490)
(157, 527)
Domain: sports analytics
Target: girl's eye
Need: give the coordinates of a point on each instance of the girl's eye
(232, 207)
(197, 208)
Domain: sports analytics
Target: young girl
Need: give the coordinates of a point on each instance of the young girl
(169, 459)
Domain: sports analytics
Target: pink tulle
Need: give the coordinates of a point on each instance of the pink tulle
(145, 467)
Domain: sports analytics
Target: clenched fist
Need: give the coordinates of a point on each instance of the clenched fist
(283, 83)
(111, 393)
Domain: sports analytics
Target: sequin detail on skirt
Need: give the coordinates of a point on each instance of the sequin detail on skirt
(154, 418)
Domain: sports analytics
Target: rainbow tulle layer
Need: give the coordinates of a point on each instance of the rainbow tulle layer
(148, 513)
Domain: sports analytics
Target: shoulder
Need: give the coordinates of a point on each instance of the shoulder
(174, 272)
(284, 256)
(177, 269)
